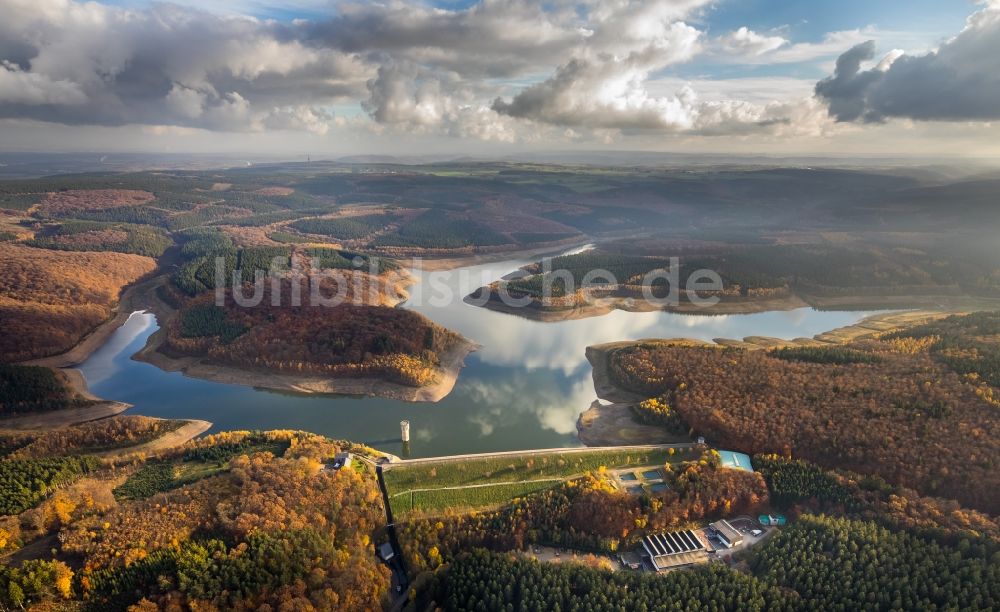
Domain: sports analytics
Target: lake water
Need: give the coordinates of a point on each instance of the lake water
(523, 389)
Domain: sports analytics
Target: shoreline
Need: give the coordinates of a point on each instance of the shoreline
(196, 367)
(436, 264)
(128, 302)
(452, 362)
(56, 419)
(602, 306)
(191, 429)
(611, 423)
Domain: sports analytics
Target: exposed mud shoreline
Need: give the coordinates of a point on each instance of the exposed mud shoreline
(198, 367)
(604, 305)
(601, 306)
(132, 299)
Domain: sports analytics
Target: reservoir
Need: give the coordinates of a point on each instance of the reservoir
(523, 389)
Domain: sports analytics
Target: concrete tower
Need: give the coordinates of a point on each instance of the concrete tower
(404, 429)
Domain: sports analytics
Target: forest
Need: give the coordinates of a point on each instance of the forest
(272, 530)
(797, 486)
(205, 458)
(436, 229)
(25, 389)
(587, 513)
(91, 437)
(354, 227)
(342, 341)
(480, 580)
(914, 414)
(817, 563)
(752, 266)
(50, 299)
(26, 482)
(837, 563)
(97, 236)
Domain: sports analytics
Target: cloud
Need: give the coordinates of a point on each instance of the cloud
(87, 63)
(495, 71)
(20, 87)
(960, 81)
(744, 42)
(495, 38)
(406, 96)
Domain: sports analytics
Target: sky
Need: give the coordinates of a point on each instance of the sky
(330, 78)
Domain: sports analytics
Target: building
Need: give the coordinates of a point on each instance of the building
(341, 460)
(385, 552)
(727, 534)
(630, 560)
(770, 519)
(674, 549)
(735, 461)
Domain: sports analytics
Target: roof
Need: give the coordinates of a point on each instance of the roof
(735, 461)
(727, 530)
(674, 543)
(674, 561)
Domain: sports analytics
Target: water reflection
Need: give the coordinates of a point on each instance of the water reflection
(524, 389)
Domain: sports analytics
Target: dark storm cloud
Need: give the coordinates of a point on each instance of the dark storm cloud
(960, 81)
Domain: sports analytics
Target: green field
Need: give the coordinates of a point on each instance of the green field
(477, 497)
(509, 469)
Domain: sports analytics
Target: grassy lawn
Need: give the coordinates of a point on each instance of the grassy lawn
(478, 497)
(513, 468)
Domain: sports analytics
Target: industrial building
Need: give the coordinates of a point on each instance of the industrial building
(727, 534)
(675, 549)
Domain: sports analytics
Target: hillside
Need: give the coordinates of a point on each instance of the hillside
(50, 299)
(914, 406)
